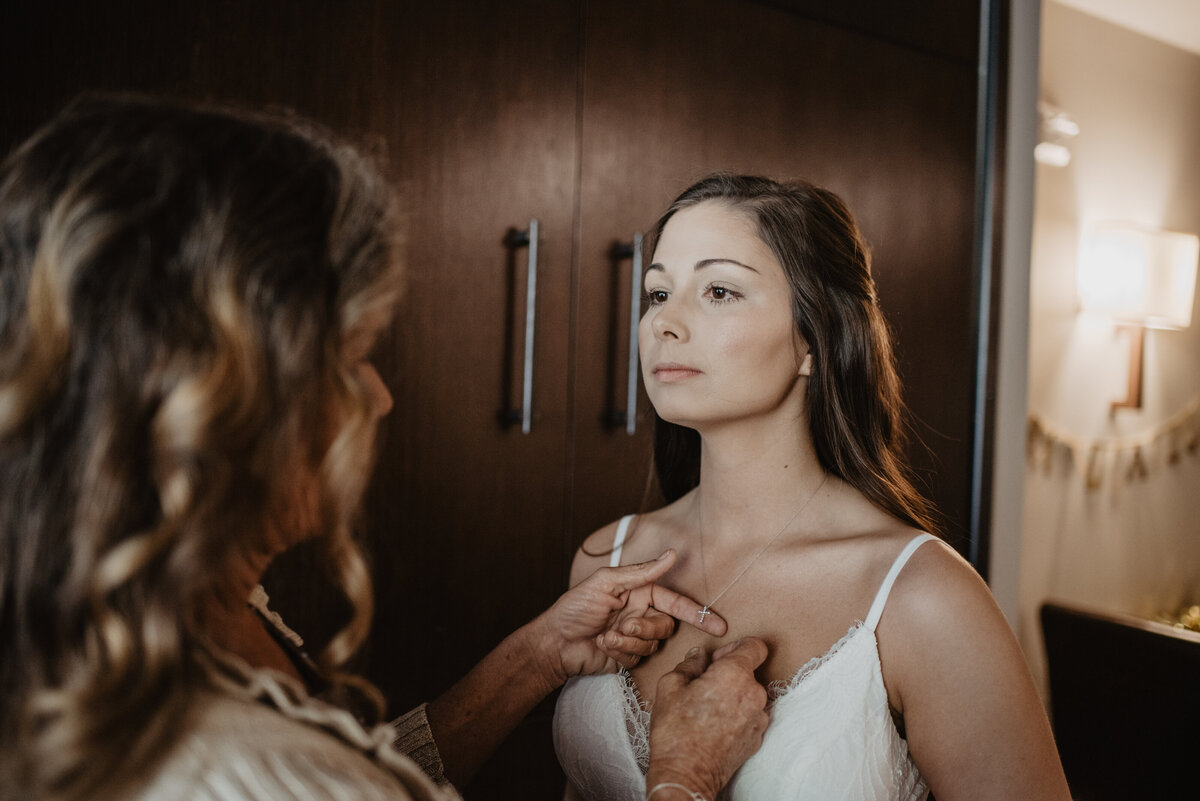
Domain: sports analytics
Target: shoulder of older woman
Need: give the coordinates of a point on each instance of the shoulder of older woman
(240, 749)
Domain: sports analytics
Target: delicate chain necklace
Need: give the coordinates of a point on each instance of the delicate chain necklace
(707, 610)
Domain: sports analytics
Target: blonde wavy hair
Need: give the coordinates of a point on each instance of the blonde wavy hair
(178, 286)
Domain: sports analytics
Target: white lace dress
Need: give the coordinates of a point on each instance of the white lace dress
(831, 734)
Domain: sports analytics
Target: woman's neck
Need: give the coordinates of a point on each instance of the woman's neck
(753, 481)
(233, 626)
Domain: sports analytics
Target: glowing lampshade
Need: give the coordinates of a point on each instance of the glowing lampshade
(1139, 276)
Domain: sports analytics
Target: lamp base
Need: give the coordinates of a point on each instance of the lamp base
(1137, 347)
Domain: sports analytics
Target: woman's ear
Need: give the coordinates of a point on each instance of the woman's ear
(804, 356)
(806, 364)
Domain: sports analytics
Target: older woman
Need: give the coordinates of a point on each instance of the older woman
(188, 298)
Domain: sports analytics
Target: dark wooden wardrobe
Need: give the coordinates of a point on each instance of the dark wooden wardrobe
(588, 116)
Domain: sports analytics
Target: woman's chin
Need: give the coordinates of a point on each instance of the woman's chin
(680, 418)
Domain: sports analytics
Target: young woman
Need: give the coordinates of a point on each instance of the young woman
(188, 300)
(891, 670)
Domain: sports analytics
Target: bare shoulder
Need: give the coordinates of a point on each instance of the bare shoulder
(595, 553)
(955, 672)
(648, 535)
(940, 602)
(938, 588)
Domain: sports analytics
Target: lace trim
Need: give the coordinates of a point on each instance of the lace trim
(260, 601)
(637, 719)
(637, 713)
(781, 687)
(229, 674)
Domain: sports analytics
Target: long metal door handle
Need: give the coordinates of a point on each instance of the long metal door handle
(635, 298)
(530, 239)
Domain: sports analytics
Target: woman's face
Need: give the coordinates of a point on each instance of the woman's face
(357, 355)
(379, 398)
(717, 342)
(303, 518)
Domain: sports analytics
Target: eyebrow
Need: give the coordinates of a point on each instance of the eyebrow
(706, 263)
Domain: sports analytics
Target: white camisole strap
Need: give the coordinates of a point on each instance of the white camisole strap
(885, 588)
(619, 540)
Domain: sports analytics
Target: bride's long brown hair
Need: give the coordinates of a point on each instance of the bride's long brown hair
(176, 288)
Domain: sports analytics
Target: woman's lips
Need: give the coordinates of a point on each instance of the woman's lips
(670, 372)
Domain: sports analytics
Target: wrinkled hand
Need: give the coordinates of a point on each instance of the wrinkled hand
(615, 617)
(707, 722)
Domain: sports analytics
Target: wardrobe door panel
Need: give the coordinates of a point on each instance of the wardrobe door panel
(467, 511)
(945, 27)
(675, 90)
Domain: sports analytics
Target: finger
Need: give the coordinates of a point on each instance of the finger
(654, 625)
(614, 643)
(726, 648)
(615, 657)
(690, 668)
(685, 609)
(630, 577)
(627, 661)
(693, 663)
(748, 652)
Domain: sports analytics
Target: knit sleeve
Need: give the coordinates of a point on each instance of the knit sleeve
(414, 739)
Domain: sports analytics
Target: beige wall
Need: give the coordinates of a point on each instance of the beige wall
(1130, 546)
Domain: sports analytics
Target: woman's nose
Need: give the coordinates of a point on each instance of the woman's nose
(668, 322)
(379, 398)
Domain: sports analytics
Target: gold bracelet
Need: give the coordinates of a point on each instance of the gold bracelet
(665, 785)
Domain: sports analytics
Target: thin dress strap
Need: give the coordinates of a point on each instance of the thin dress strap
(619, 540)
(886, 587)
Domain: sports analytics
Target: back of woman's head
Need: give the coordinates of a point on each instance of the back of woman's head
(176, 287)
(855, 412)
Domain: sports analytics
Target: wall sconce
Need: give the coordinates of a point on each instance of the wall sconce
(1056, 129)
(1141, 279)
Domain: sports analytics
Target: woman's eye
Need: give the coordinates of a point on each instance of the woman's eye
(656, 297)
(721, 294)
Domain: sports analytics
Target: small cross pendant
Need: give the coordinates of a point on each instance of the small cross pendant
(703, 613)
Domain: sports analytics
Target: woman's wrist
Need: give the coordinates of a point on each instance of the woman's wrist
(542, 642)
(670, 781)
(669, 791)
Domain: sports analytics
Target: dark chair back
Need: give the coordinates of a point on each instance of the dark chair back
(1125, 704)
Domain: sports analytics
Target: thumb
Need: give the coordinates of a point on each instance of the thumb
(748, 652)
(693, 664)
(685, 672)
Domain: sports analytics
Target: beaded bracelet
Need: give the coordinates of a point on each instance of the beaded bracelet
(664, 785)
